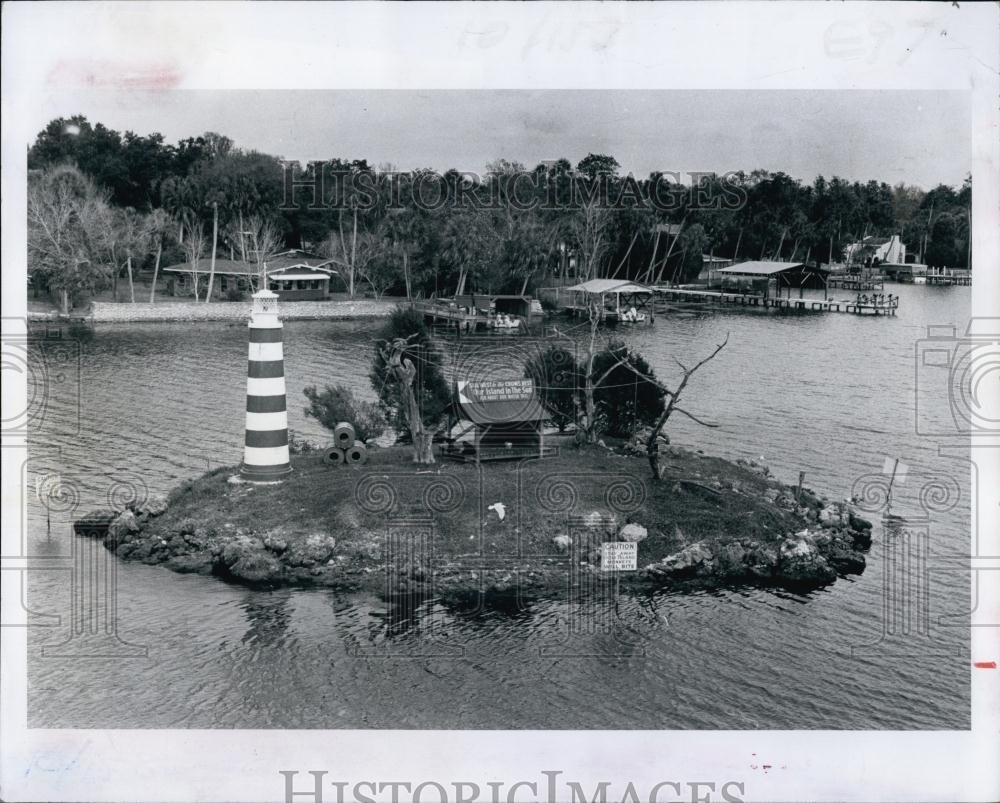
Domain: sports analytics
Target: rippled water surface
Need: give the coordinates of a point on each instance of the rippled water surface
(831, 395)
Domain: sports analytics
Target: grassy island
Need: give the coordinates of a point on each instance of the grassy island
(708, 522)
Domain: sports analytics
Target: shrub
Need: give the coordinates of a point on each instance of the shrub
(235, 294)
(624, 402)
(556, 376)
(337, 403)
(432, 391)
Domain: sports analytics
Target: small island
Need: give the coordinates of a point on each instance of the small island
(708, 522)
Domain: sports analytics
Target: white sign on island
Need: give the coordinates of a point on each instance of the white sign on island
(619, 556)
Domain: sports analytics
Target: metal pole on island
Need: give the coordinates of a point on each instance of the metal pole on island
(265, 456)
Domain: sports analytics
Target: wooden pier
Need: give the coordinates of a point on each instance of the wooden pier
(874, 305)
(963, 279)
(855, 283)
(459, 317)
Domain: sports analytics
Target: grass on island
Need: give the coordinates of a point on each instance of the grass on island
(724, 502)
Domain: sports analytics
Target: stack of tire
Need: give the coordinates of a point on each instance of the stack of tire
(347, 448)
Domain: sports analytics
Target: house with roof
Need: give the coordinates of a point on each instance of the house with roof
(873, 251)
(294, 275)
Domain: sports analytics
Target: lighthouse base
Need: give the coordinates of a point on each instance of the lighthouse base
(264, 473)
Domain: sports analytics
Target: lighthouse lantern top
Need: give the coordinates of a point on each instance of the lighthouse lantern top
(264, 301)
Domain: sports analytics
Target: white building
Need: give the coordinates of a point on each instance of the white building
(883, 249)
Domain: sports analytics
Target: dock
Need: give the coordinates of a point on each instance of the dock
(855, 283)
(946, 278)
(884, 305)
(459, 317)
(504, 314)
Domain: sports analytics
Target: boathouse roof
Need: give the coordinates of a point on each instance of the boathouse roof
(769, 269)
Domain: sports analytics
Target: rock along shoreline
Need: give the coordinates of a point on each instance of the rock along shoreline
(722, 524)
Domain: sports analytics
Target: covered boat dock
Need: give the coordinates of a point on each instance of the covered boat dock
(617, 300)
(760, 277)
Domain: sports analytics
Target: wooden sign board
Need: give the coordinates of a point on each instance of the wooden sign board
(619, 556)
(495, 390)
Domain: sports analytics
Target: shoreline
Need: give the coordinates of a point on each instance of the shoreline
(721, 524)
(227, 311)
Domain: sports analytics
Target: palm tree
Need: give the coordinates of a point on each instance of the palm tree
(159, 224)
(181, 200)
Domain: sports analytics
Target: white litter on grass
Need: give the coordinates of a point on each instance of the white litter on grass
(500, 509)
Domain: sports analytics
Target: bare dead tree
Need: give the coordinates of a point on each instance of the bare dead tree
(672, 406)
(589, 385)
(404, 372)
(264, 239)
(194, 250)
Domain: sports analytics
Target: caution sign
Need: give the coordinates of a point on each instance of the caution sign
(619, 556)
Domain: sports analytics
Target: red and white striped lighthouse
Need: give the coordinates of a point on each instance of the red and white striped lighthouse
(265, 456)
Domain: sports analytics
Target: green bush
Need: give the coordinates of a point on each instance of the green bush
(557, 377)
(624, 402)
(337, 403)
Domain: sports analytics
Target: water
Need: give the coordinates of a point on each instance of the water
(831, 395)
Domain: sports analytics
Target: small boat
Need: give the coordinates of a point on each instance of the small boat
(631, 315)
(505, 323)
(639, 317)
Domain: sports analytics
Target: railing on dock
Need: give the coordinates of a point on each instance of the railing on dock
(876, 304)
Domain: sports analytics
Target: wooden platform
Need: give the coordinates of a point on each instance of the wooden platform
(756, 302)
(856, 284)
(948, 281)
(446, 314)
(456, 452)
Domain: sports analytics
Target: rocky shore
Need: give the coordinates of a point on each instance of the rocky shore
(714, 523)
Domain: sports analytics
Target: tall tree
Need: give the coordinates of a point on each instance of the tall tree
(160, 227)
(61, 203)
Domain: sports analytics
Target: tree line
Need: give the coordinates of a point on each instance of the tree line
(103, 204)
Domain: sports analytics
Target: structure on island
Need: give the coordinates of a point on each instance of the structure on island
(265, 454)
(502, 420)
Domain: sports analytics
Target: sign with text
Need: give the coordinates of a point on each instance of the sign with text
(618, 556)
(495, 390)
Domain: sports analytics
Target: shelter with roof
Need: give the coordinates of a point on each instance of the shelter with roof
(294, 275)
(763, 277)
(499, 419)
(613, 297)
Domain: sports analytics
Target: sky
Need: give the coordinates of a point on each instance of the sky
(916, 137)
